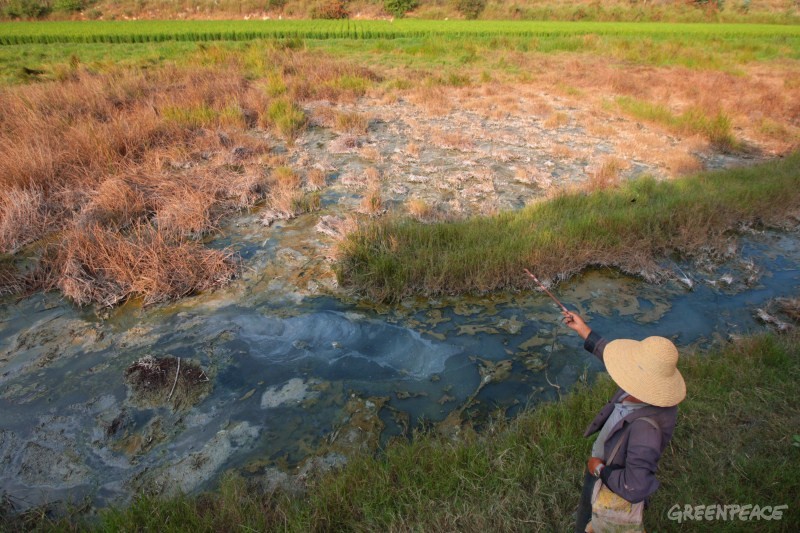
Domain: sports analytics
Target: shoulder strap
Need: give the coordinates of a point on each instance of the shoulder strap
(619, 442)
(650, 421)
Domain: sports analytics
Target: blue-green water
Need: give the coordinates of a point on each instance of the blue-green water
(61, 369)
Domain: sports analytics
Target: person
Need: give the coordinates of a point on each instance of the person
(641, 415)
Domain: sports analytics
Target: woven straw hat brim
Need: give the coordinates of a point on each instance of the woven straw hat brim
(628, 361)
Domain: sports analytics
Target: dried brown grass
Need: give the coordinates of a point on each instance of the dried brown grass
(284, 178)
(556, 120)
(285, 197)
(413, 149)
(434, 100)
(790, 307)
(371, 153)
(316, 179)
(421, 210)
(541, 108)
(452, 140)
(244, 190)
(23, 218)
(606, 175)
(562, 151)
(353, 123)
(310, 76)
(372, 176)
(324, 116)
(116, 203)
(138, 163)
(186, 211)
(97, 159)
(759, 91)
(97, 265)
(372, 203)
(10, 279)
(681, 163)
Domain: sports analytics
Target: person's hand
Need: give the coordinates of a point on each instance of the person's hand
(592, 465)
(575, 322)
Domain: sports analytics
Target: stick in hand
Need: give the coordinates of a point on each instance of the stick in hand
(550, 294)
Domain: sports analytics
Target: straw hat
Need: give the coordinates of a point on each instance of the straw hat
(646, 369)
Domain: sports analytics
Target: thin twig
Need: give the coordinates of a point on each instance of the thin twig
(177, 373)
(554, 385)
(552, 348)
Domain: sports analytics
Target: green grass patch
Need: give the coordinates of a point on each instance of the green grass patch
(732, 445)
(446, 53)
(288, 117)
(354, 85)
(629, 228)
(716, 128)
(97, 57)
(201, 116)
(276, 85)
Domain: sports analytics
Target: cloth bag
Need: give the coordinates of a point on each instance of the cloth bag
(612, 513)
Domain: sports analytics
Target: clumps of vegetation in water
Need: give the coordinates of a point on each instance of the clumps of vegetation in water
(287, 199)
(176, 382)
(629, 227)
(103, 267)
(791, 308)
(526, 473)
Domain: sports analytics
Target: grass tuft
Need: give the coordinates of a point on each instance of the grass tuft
(353, 123)
(95, 265)
(316, 179)
(607, 175)
(288, 117)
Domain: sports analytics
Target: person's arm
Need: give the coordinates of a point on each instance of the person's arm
(636, 480)
(592, 341)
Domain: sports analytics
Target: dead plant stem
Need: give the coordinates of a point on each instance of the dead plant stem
(177, 373)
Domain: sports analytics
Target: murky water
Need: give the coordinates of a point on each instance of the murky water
(285, 366)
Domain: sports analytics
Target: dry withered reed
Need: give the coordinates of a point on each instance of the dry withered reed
(97, 265)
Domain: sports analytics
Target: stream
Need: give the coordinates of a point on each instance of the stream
(289, 370)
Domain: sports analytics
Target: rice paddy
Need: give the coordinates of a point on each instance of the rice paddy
(114, 32)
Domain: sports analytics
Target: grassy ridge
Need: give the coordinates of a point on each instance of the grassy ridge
(733, 445)
(629, 227)
(157, 31)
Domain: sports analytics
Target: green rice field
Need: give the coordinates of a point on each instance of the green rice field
(12, 33)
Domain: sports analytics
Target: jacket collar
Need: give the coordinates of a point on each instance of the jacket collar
(647, 410)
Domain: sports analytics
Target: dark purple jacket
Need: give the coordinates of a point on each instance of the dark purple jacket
(632, 473)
